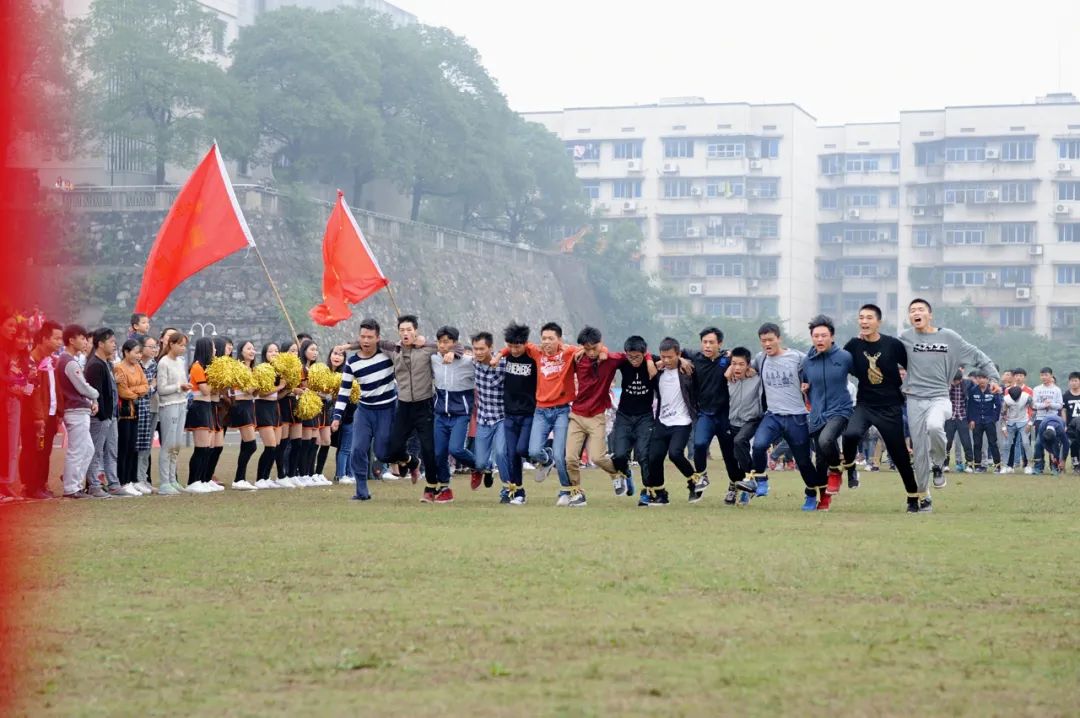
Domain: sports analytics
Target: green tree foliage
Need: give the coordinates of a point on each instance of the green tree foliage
(149, 75)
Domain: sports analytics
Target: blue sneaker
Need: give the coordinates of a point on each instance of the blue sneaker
(961, 467)
(504, 494)
(630, 484)
(643, 500)
(762, 488)
(810, 504)
(744, 497)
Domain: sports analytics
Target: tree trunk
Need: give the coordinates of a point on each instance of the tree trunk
(417, 197)
(360, 178)
(159, 170)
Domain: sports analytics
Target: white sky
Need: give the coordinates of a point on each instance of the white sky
(841, 60)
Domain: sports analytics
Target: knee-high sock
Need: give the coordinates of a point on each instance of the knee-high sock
(282, 457)
(247, 450)
(296, 457)
(212, 461)
(266, 462)
(312, 451)
(320, 462)
(197, 465)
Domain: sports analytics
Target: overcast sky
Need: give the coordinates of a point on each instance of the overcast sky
(841, 60)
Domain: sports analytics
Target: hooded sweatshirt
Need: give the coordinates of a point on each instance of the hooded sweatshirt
(827, 373)
(454, 384)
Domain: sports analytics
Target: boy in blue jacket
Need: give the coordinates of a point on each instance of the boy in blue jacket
(826, 374)
(983, 410)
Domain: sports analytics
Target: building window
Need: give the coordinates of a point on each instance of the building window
(826, 303)
(583, 151)
(591, 190)
(894, 162)
(922, 237)
(832, 165)
(1068, 274)
(1068, 191)
(675, 267)
(1017, 192)
(725, 150)
(1018, 151)
(1063, 317)
(829, 199)
(927, 154)
(1069, 232)
(1012, 276)
(857, 269)
(966, 153)
(861, 163)
(670, 308)
(628, 150)
(894, 197)
(862, 235)
(964, 278)
(925, 196)
(765, 227)
(768, 268)
(726, 226)
(727, 187)
(626, 189)
(218, 37)
(677, 188)
(892, 302)
(961, 234)
(1016, 318)
(862, 199)
(763, 188)
(960, 194)
(850, 303)
(731, 308)
(770, 149)
(675, 149)
(1017, 232)
(674, 227)
(719, 267)
(1068, 149)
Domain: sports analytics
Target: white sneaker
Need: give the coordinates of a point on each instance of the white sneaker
(306, 481)
(288, 482)
(1006, 470)
(272, 484)
(244, 485)
(347, 480)
(564, 500)
(969, 470)
(261, 484)
(389, 475)
(323, 481)
(215, 486)
(145, 487)
(543, 471)
(200, 487)
(526, 466)
(130, 490)
(1029, 471)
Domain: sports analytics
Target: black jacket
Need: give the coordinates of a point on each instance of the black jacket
(99, 375)
(689, 395)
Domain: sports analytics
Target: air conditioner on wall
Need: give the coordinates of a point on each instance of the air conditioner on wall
(853, 214)
(633, 166)
(919, 212)
(992, 195)
(756, 164)
(629, 206)
(1064, 168)
(604, 228)
(693, 232)
(670, 168)
(1062, 208)
(695, 191)
(1023, 292)
(1035, 250)
(694, 288)
(752, 284)
(993, 154)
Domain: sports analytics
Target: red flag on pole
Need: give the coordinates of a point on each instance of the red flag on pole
(204, 226)
(350, 272)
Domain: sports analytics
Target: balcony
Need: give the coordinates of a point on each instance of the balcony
(879, 178)
(996, 253)
(988, 211)
(989, 171)
(989, 295)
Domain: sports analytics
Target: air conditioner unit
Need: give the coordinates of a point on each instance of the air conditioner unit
(993, 154)
(1035, 250)
(602, 206)
(604, 228)
(884, 236)
(695, 191)
(752, 284)
(633, 165)
(992, 195)
(695, 288)
(693, 231)
(755, 193)
(1062, 208)
(1023, 292)
(991, 276)
(756, 164)
(853, 214)
(1064, 168)
(670, 168)
(919, 212)
(836, 238)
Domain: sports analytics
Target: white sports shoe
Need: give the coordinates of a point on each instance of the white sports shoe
(244, 485)
(200, 487)
(286, 483)
(1029, 471)
(347, 480)
(130, 490)
(323, 481)
(388, 475)
(261, 484)
(564, 500)
(272, 484)
(526, 466)
(215, 486)
(145, 487)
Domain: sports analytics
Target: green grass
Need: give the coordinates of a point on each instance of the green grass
(301, 602)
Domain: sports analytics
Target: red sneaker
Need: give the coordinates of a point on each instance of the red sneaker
(428, 496)
(477, 479)
(836, 479)
(824, 502)
(446, 496)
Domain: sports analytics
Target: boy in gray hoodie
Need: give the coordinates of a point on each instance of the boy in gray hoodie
(80, 402)
(744, 416)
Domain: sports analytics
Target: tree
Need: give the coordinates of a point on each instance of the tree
(149, 76)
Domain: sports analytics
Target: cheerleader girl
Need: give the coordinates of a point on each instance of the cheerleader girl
(201, 421)
(342, 438)
(242, 418)
(268, 423)
(223, 347)
(309, 354)
(291, 433)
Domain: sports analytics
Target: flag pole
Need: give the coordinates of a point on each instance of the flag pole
(393, 301)
(276, 293)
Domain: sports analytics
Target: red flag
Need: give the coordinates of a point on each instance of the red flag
(350, 272)
(204, 226)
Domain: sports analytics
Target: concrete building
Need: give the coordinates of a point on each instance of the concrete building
(398, 15)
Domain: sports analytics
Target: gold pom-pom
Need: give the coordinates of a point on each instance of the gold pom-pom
(288, 368)
(263, 378)
(354, 395)
(336, 383)
(228, 373)
(309, 405)
(320, 379)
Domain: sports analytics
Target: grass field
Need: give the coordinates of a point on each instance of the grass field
(302, 602)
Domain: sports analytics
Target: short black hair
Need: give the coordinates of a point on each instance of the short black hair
(74, 330)
(1046, 370)
(1074, 375)
(483, 337)
(1021, 371)
(46, 330)
(742, 353)
(516, 333)
(711, 330)
(669, 344)
(410, 318)
(635, 344)
(769, 328)
(303, 336)
(552, 327)
(372, 325)
(979, 374)
(920, 300)
(166, 330)
(130, 345)
(872, 307)
(101, 336)
(136, 318)
(589, 335)
(822, 320)
(447, 331)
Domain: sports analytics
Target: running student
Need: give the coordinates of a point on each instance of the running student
(711, 388)
(489, 445)
(676, 410)
(519, 400)
(934, 356)
(826, 371)
(454, 388)
(634, 416)
(595, 368)
(876, 362)
(744, 417)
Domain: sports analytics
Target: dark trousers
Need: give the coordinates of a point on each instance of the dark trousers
(742, 438)
(706, 428)
(988, 430)
(418, 416)
(127, 456)
(667, 441)
(631, 433)
(34, 457)
(826, 442)
(957, 427)
(889, 421)
(1073, 433)
(517, 430)
(794, 429)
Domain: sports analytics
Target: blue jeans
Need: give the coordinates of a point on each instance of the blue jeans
(451, 433)
(489, 446)
(517, 430)
(556, 419)
(344, 451)
(795, 430)
(1014, 444)
(706, 428)
(369, 425)
(1038, 453)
